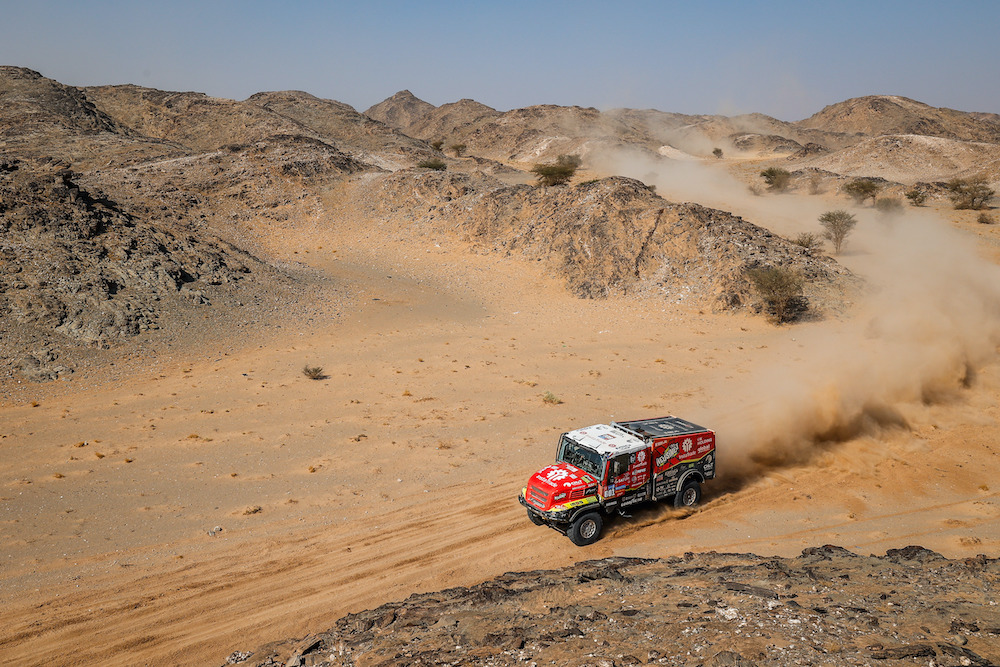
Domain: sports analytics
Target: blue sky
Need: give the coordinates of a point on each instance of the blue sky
(785, 59)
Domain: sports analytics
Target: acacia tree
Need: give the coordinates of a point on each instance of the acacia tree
(559, 173)
(969, 193)
(861, 189)
(838, 224)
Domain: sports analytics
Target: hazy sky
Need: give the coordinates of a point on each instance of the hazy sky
(785, 59)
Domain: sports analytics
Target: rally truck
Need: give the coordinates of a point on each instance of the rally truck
(605, 469)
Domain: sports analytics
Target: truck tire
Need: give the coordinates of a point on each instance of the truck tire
(689, 495)
(535, 519)
(586, 529)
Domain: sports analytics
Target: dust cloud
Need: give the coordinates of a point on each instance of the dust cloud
(930, 315)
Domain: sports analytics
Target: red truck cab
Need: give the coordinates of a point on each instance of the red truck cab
(605, 468)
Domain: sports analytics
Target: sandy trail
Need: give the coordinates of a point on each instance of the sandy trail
(398, 473)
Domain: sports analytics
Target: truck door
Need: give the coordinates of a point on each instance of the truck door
(627, 476)
(617, 476)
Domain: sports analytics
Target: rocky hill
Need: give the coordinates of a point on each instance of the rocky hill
(910, 158)
(611, 236)
(80, 267)
(540, 133)
(452, 122)
(42, 118)
(877, 115)
(354, 133)
(828, 606)
(400, 111)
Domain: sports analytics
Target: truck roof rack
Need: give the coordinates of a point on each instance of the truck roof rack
(660, 427)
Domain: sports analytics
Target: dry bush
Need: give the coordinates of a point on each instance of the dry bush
(809, 241)
(458, 148)
(777, 179)
(313, 372)
(558, 173)
(550, 398)
(781, 291)
(889, 205)
(985, 218)
(434, 163)
(916, 196)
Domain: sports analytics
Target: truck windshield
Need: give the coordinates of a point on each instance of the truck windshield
(576, 454)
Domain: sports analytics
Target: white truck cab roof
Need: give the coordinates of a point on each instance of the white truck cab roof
(607, 440)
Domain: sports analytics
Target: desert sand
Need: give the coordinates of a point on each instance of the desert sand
(208, 497)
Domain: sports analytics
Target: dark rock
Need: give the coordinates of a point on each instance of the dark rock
(828, 551)
(961, 652)
(916, 553)
(901, 652)
(958, 626)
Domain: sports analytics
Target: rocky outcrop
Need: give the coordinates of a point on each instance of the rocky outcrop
(610, 236)
(828, 606)
(77, 264)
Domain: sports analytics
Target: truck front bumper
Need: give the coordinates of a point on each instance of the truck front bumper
(554, 519)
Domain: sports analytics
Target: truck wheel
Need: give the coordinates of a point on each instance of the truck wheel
(586, 529)
(535, 519)
(688, 496)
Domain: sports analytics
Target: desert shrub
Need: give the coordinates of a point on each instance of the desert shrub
(550, 398)
(969, 193)
(861, 189)
(458, 148)
(781, 291)
(433, 163)
(889, 205)
(717, 152)
(985, 219)
(916, 196)
(808, 240)
(313, 372)
(838, 224)
(436, 145)
(777, 179)
(558, 173)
